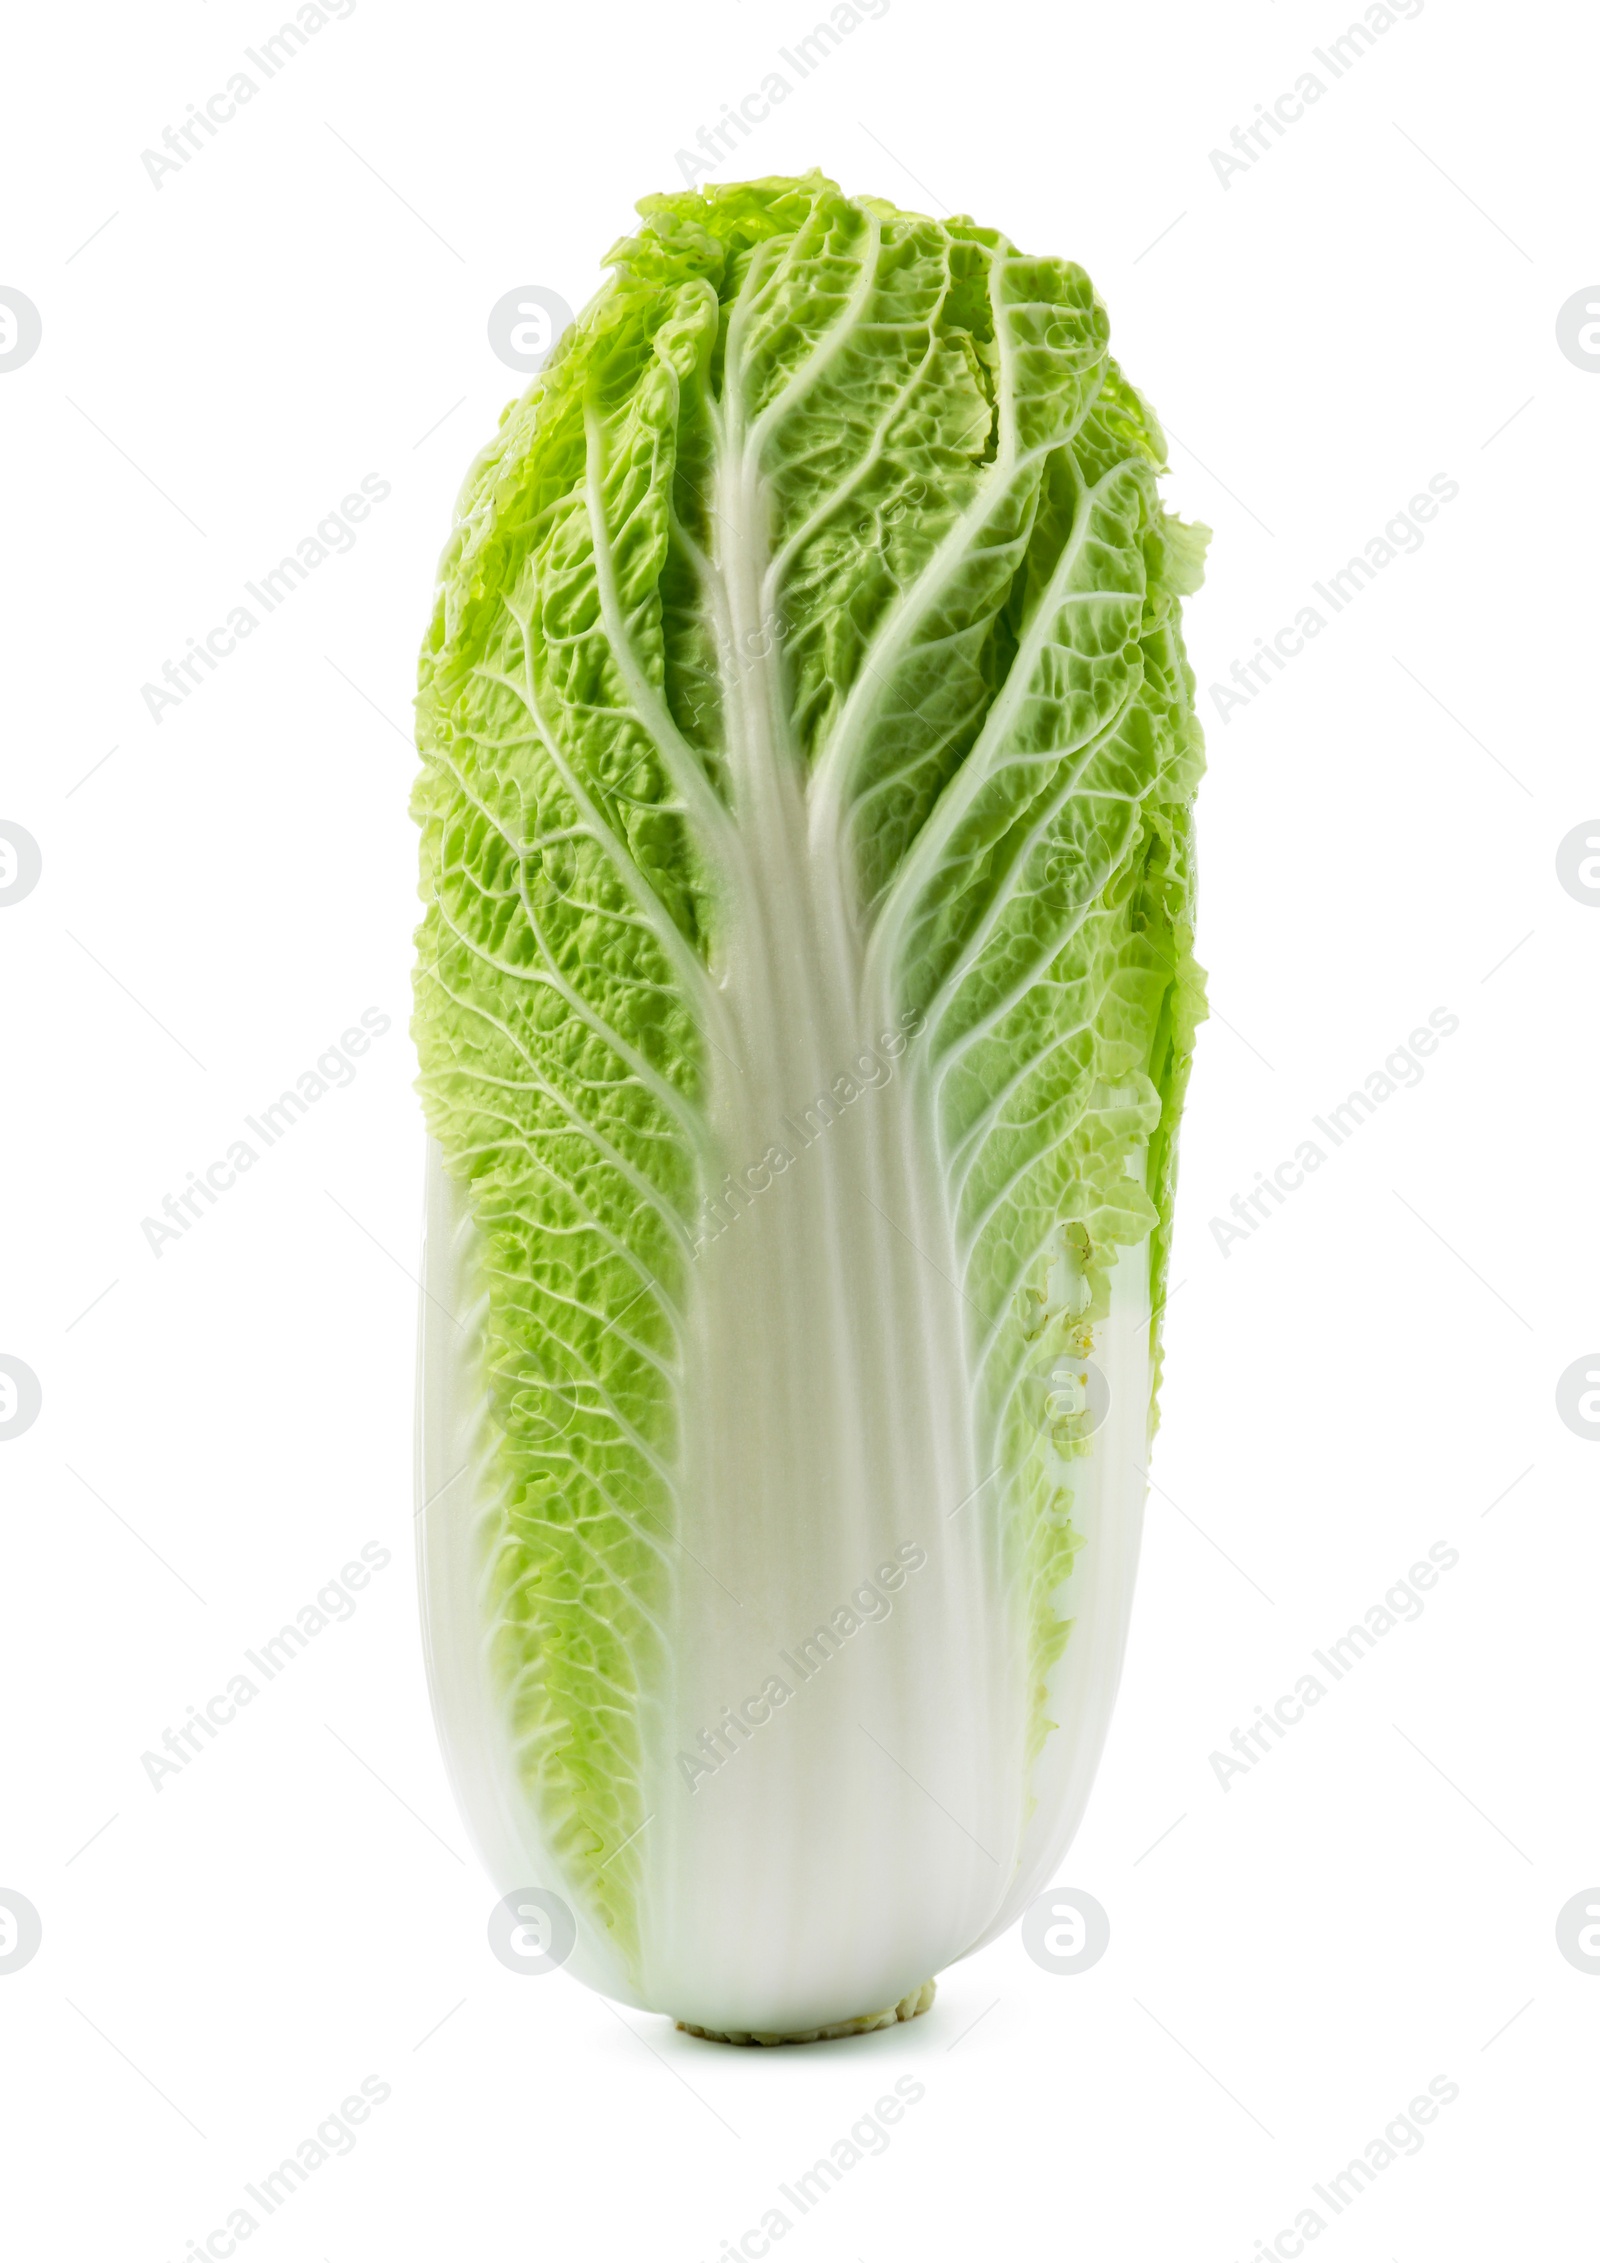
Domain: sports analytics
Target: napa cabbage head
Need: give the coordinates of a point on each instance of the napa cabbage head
(804, 1001)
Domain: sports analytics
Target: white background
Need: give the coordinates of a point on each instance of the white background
(1373, 1371)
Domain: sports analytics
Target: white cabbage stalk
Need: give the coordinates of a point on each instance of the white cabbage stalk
(804, 1003)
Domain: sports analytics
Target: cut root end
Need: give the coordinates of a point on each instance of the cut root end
(867, 2024)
